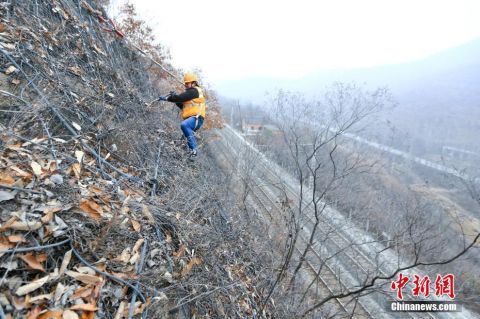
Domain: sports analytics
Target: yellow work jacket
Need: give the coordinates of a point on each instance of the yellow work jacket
(195, 107)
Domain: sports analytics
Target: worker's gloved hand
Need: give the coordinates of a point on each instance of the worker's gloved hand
(162, 98)
(173, 93)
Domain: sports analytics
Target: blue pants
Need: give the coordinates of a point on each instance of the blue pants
(189, 126)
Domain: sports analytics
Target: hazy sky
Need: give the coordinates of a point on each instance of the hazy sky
(231, 40)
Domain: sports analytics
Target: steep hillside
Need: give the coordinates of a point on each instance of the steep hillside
(101, 215)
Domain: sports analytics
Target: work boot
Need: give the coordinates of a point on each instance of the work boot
(193, 155)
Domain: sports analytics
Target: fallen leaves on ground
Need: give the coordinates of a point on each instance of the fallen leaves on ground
(91, 208)
(33, 261)
(10, 70)
(84, 278)
(194, 261)
(38, 217)
(23, 290)
(37, 169)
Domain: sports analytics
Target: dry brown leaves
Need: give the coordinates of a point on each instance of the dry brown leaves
(35, 276)
(193, 262)
(91, 208)
(34, 261)
(85, 278)
(136, 225)
(11, 69)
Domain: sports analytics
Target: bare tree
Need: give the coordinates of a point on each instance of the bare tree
(322, 160)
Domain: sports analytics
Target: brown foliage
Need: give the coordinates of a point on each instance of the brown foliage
(139, 33)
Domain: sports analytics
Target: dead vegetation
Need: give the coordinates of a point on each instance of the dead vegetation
(331, 172)
(101, 216)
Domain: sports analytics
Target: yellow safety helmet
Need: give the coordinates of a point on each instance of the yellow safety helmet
(190, 77)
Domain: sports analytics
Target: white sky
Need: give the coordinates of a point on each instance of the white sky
(232, 40)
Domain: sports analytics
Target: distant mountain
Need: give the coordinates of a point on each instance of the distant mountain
(455, 68)
(439, 96)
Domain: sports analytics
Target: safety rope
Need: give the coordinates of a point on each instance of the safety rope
(153, 60)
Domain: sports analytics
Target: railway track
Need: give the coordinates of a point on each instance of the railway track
(324, 279)
(348, 261)
(323, 282)
(339, 260)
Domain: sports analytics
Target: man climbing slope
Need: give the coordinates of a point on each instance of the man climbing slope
(192, 103)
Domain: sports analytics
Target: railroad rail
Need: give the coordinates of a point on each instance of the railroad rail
(347, 253)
